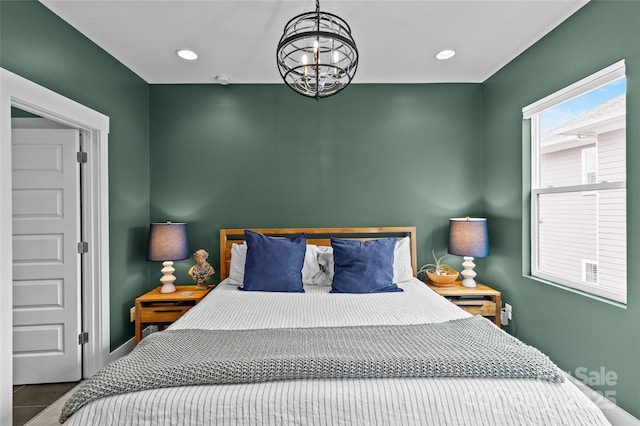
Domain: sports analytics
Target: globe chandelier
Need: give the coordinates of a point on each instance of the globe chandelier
(317, 56)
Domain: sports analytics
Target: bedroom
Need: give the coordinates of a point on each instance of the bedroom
(150, 123)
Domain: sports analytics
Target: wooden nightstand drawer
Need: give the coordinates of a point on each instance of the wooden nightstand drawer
(486, 308)
(162, 313)
(480, 300)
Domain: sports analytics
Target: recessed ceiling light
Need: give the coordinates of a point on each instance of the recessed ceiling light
(187, 54)
(445, 54)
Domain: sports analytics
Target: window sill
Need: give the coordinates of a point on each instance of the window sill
(576, 291)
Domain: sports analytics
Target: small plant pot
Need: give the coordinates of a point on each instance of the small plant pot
(442, 280)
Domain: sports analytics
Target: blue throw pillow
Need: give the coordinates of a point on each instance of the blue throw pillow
(363, 266)
(273, 263)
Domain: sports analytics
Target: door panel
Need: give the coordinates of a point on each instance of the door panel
(38, 249)
(37, 203)
(42, 293)
(46, 265)
(39, 340)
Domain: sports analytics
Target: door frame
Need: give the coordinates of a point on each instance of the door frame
(16, 91)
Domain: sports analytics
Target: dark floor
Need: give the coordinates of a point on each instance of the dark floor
(29, 400)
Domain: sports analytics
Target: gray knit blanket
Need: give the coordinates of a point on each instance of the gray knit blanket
(470, 347)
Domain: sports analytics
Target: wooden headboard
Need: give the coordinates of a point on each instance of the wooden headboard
(317, 236)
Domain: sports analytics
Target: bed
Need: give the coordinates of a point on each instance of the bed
(397, 356)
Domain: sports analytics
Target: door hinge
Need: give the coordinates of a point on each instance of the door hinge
(83, 247)
(83, 338)
(81, 157)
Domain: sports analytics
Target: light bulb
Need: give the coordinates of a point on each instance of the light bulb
(316, 53)
(336, 59)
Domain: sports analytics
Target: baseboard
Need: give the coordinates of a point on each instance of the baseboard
(122, 350)
(128, 346)
(616, 415)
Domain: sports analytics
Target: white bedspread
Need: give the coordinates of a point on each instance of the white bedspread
(227, 308)
(409, 401)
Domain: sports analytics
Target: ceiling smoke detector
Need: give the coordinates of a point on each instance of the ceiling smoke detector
(222, 80)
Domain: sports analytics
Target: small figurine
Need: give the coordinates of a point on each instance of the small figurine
(201, 270)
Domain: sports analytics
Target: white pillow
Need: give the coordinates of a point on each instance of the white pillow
(238, 259)
(402, 269)
(310, 269)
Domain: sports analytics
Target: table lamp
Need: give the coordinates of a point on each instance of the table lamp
(468, 237)
(167, 242)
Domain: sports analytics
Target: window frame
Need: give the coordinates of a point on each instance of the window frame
(601, 78)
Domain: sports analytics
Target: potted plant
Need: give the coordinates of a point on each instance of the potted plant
(439, 273)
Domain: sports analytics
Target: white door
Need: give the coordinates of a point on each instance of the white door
(46, 263)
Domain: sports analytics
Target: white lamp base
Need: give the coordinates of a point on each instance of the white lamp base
(468, 273)
(168, 278)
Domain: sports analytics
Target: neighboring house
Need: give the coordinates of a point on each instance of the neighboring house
(588, 149)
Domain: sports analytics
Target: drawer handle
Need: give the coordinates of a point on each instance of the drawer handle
(168, 310)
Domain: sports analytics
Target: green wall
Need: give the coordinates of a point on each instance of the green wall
(39, 46)
(574, 330)
(264, 156)
(260, 155)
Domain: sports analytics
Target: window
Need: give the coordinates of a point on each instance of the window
(578, 148)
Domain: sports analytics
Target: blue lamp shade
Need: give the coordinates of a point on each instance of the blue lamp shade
(168, 241)
(468, 237)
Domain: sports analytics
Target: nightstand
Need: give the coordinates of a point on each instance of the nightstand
(478, 300)
(164, 308)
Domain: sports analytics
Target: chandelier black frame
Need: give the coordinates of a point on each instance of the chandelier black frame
(317, 56)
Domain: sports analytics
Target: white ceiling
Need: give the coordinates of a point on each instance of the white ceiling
(397, 39)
